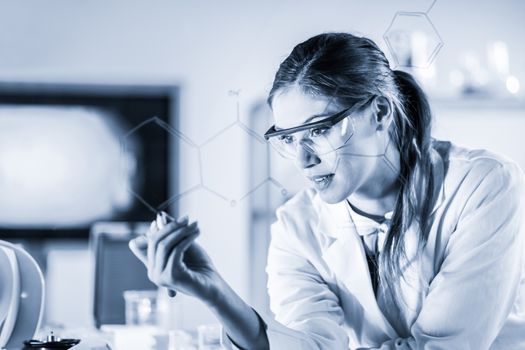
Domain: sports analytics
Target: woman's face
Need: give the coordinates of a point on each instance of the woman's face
(359, 167)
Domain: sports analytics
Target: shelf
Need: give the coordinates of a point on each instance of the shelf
(477, 103)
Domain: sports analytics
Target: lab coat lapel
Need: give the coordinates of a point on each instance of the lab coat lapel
(347, 259)
(345, 255)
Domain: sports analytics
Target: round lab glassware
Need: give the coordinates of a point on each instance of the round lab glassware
(141, 307)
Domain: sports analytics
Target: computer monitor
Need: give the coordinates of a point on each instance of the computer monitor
(72, 155)
(116, 269)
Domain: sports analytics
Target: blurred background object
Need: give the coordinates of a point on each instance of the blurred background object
(111, 111)
(21, 296)
(72, 155)
(122, 290)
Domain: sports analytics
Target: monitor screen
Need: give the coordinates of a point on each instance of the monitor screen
(70, 159)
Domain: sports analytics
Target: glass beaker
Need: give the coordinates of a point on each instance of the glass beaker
(141, 307)
(210, 336)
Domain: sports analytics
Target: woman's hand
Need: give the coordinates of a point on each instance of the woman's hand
(175, 261)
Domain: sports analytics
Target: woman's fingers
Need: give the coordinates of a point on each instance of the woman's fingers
(139, 248)
(164, 217)
(160, 221)
(152, 228)
(170, 242)
(176, 258)
(158, 235)
(167, 229)
(184, 245)
(157, 245)
(141, 242)
(139, 245)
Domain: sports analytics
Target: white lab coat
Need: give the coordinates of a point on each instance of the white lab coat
(466, 291)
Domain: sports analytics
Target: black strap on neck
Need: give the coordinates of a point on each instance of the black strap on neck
(376, 218)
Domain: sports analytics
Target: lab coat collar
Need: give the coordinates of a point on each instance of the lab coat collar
(345, 256)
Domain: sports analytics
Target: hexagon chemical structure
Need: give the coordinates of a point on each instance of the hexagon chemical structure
(260, 121)
(257, 136)
(239, 122)
(189, 160)
(412, 39)
(431, 6)
(261, 152)
(215, 158)
(129, 164)
(196, 158)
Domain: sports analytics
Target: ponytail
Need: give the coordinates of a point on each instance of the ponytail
(417, 147)
(413, 206)
(416, 106)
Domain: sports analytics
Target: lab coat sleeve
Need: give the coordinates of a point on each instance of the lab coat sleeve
(473, 293)
(307, 312)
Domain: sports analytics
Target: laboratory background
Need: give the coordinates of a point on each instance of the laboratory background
(111, 111)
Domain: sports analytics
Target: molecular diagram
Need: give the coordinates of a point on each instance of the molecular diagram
(413, 42)
(202, 157)
(412, 39)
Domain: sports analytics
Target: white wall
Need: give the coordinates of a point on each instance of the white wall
(208, 48)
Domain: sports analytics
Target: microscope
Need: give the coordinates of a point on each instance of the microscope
(22, 305)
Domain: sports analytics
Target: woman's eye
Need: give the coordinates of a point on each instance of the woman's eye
(318, 131)
(286, 139)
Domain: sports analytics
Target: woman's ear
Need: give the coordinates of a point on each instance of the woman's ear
(382, 110)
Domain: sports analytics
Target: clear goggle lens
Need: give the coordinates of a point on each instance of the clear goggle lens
(318, 140)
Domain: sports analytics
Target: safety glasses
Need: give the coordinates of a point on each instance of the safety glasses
(320, 137)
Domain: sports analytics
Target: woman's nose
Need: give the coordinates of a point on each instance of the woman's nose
(306, 158)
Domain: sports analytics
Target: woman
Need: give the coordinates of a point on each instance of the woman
(403, 242)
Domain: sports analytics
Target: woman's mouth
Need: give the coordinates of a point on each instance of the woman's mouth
(322, 181)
